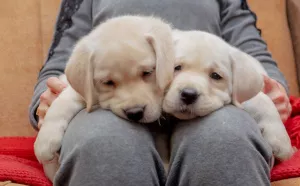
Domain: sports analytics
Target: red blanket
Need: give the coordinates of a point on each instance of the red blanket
(18, 163)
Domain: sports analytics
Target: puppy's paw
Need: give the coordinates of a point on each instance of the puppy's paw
(48, 142)
(280, 144)
(282, 151)
(51, 168)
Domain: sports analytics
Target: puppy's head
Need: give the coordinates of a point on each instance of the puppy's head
(119, 66)
(209, 73)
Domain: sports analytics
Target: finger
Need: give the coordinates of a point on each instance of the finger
(283, 112)
(284, 118)
(279, 99)
(42, 109)
(44, 96)
(268, 85)
(51, 98)
(55, 85)
(283, 107)
(48, 97)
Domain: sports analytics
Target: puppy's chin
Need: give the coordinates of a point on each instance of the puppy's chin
(184, 116)
(176, 109)
(192, 113)
(151, 114)
(198, 109)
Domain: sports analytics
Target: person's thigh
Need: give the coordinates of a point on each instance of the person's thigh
(100, 148)
(223, 148)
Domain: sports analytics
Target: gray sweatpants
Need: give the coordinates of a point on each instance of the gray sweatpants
(222, 149)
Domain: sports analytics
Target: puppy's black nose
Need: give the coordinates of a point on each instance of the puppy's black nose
(135, 114)
(189, 95)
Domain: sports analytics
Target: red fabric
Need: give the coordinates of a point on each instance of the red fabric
(18, 163)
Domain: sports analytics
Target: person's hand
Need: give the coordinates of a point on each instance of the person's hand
(55, 87)
(279, 97)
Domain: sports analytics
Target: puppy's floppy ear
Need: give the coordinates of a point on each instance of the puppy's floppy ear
(247, 79)
(80, 72)
(160, 38)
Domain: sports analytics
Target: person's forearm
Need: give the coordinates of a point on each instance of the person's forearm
(238, 26)
(73, 22)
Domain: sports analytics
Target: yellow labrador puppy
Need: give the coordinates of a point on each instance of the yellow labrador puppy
(209, 73)
(123, 65)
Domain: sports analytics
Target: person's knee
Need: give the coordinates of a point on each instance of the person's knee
(226, 146)
(228, 129)
(111, 150)
(103, 134)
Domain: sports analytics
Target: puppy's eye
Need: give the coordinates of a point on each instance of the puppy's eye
(109, 83)
(147, 73)
(178, 68)
(215, 76)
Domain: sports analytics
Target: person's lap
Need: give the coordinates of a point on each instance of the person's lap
(224, 148)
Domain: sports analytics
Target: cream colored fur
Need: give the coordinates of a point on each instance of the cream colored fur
(125, 62)
(200, 55)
